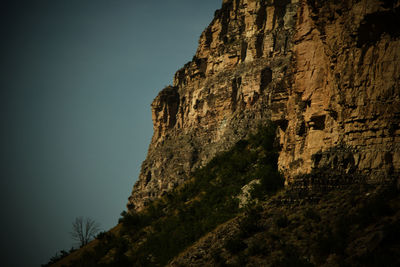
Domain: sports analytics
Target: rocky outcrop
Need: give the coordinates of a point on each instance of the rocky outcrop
(343, 108)
(238, 73)
(326, 72)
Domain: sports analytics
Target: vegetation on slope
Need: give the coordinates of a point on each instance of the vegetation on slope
(153, 237)
(356, 226)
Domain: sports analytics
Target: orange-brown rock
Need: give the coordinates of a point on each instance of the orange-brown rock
(345, 97)
(327, 72)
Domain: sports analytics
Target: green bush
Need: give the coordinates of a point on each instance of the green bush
(282, 221)
(258, 247)
(218, 259)
(250, 223)
(58, 256)
(235, 245)
(291, 258)
(312, 214)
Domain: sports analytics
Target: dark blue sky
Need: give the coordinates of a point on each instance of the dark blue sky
(76, 81)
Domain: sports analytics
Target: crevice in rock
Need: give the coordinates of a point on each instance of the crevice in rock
(333, 114)
(199, 104)
(201, 64)
(148, 178)
(243, 51)
(316, 158)
(261, 16)
(317, 122)
(283, 124)
(393, 128)
(374, 25)
(301, 128)
(224, 15)
(236, 82)
(388, 158)
(266, 78)
(208, 35)
(280, 11)
(259, 45)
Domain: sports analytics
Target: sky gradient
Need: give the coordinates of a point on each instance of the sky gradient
(77, 79)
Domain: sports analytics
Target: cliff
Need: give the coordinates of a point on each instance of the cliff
(223, 186)
(326, 72)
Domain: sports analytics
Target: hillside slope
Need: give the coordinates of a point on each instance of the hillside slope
(355, 226)
(236, 212)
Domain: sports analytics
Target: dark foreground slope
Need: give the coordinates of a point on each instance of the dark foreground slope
(235, 212)
(356, 226)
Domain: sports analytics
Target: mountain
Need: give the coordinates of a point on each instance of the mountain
(277, 145)
(326, 72)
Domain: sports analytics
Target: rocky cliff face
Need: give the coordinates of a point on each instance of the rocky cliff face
(326, 72)
(343, 107)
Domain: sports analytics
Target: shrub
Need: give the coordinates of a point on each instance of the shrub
(258, 247)
(235, 245)
(312, 214)
(249, 225)
(218, 259)
(282, 221)
(291, 258)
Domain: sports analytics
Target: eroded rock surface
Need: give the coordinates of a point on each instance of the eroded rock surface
(345, 94)
(327, 72)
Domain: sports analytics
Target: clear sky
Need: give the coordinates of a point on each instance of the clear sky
(76, 81)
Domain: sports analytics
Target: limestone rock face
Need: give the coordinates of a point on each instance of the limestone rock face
(345, 96)
(327, 72)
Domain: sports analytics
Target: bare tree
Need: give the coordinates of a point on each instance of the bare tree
(84, 229)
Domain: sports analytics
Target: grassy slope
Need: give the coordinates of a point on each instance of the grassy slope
(77, 254)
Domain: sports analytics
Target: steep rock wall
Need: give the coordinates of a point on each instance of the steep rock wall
(344, 105)
(327, 74)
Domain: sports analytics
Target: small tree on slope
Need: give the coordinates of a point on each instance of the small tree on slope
(83, 230)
